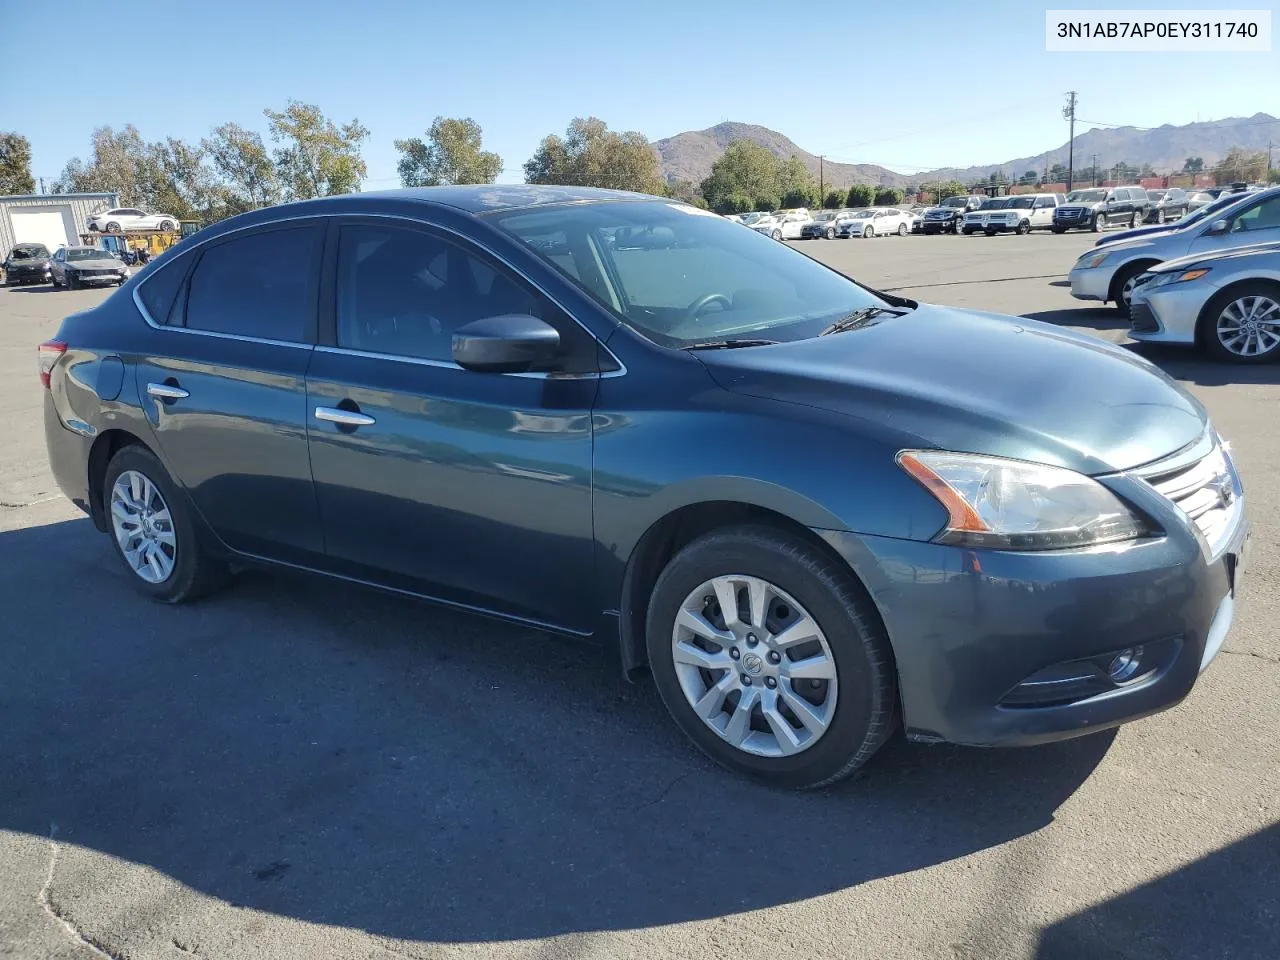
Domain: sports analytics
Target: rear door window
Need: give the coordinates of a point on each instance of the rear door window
(258, 285)
(160, 289)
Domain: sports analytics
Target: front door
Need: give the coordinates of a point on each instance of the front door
(225, 390)
(471, 487)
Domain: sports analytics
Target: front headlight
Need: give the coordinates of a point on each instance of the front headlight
(1015, 505)
(1091, 260)
(1176, 276)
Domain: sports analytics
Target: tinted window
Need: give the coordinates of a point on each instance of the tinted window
(1262, 216)
(405, 292)
(158, 291)
(258, 285)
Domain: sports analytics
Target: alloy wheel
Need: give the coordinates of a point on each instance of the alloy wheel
(143, 527)
(1126, 291)
(754, 665)
(1250, 326)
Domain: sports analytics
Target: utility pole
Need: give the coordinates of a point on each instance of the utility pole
(42, 183)
(1069, 113)
(1095, 170)
(1269, 145)
(822, 185)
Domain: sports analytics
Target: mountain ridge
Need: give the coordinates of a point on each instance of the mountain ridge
(690, 154)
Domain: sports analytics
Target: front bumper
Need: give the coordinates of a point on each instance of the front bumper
(1091, 283)
(968, 627)
(938, 226)
(1076, 221)
(1169, 314)
(102, 278)
(17, 275)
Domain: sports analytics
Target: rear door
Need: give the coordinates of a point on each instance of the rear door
(225, 388)
(471, 487)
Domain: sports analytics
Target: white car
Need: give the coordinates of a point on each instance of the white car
(131, 218)
(1019, 214)
(876, 222)
(765, 223)
(792, 222)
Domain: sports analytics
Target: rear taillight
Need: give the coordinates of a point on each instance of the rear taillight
(50, 351)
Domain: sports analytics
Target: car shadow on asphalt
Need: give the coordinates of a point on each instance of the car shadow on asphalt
(46, 288)
(337, 756)
(1228, 908)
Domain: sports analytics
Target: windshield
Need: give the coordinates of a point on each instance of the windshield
(998, 204)
(753, 217)
(1086, 196)
(823, 217)
(85, 253)
(955, 202)
(1022, 203)
(1157, 194)
(680, 276)
(29, 251)
(861, 214)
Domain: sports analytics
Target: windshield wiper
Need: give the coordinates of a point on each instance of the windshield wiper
(856, 319)
(727, 344)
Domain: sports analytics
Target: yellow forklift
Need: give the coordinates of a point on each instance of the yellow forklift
(138, 246)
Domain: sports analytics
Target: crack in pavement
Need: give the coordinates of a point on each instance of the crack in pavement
(960, 283)
(1250, 653)
(55, 912)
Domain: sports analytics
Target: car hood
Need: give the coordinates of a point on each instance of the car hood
(982, 383)
(1218, 256)
(96, 263)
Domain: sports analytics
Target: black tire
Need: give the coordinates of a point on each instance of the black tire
(776, 235)
(1133, 220)
(902, 229)
(868, 233)
(1023, 228)
(1122, 277)
(989, 233)
(1058, 229)
(166, 224)
(113, 228)
(866, 710)
(1095, 223)
(1207, 326)
(72, 282)
(1160, 217)
(831, 233)
(195, 572)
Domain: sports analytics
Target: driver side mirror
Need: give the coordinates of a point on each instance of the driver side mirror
(1218, 227)
(511, 343)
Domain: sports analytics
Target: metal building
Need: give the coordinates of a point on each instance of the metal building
(54, 219)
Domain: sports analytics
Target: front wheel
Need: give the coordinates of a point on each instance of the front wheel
(868, 233)
(1133, 220)
(166, 224)
(1023, 228)
(1242, 324)
(71, 282)
(776, 235)
(902, 229)
(770, 657)
(1160, 218)
(1095, 224)
(1058, 229)
(152, 530)
(1123, 284)
(831, 233)
(113, 228)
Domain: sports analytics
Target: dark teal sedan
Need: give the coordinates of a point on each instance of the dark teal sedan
(815, 513)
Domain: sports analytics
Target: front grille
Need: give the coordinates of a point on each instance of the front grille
(1208, 492)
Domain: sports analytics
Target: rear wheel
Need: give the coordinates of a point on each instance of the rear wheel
(1242, 324)
(776, 235)
(1058, 229)
(770, 658)
(868, 232)
(1133, 220)
(166, 224)
(1160, 216)
(152, 531)
(831, 233)
(113, 228)
(1024, 228)
(902, 229)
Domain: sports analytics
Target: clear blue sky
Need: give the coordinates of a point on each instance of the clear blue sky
(850, 79)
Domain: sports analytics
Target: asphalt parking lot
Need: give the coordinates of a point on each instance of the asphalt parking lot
(294, 769)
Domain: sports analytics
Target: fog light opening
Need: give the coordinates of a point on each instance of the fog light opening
(1125, 665)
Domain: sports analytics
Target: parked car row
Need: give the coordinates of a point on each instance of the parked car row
(68, 267)
(1019, 214)
(1210, 281)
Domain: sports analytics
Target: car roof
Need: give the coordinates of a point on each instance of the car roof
(485, 198)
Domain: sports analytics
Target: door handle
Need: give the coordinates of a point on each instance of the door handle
(164, 391)
(344, 418)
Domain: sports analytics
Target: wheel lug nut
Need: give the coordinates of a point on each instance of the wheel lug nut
(746, 680)
(775, 657)
(770, 682)
(733, 652)
(751, 640)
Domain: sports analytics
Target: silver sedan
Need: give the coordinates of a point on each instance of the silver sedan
(1228, 303)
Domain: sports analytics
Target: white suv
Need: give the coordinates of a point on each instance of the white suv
(1022, 214)
(131, 218)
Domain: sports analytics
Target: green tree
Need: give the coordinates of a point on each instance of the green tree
(950, 188)
(686, 191)
(316, 157)
(245, 177)
(176, 180)
(834, 199)
(1029, 177)
(745, 170)
(118, 163)
(450, 154)
(1193, 165)
(798, 186)
(592, 155)
(888, 197)
(1147, 171)
(1273, 176)
(862, 195)
(1057, 173)
(15, 164)
(1240, 164)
